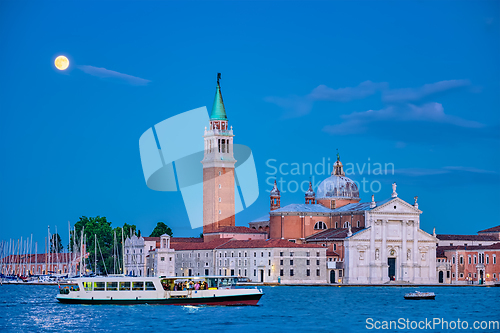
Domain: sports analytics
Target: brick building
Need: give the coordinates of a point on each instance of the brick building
(473, 264)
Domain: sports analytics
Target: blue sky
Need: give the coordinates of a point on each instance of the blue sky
(415, 84)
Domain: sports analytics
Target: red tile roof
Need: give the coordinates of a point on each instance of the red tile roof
(467, 237)
(237, 230)
(199, 246)
(227, 243)
(177, 239)
(186, 240)
(151, 238)
(494, 229)
(259, 243)
(333, 233)
(331, 253)
(442, 249)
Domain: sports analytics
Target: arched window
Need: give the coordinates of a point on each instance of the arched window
(359, 224)
(336, 225)
(320, 225)
(346, 224)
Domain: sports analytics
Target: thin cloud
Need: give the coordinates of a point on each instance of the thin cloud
(104, 73)
(427, 90)
(411, 123)
(363, 90)
(455, 176)
(298, 106)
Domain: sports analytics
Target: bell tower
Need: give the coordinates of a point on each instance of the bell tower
(275, 197)
(218, 169)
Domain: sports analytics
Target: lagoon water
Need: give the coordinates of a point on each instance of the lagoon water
(282, 309)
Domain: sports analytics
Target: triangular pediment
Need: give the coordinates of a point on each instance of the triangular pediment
(401, 207)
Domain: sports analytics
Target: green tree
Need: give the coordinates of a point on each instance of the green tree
(109, 254)
(160, 229)
(95, 227)
(56, 244)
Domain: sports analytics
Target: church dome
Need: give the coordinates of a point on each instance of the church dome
(338, 186)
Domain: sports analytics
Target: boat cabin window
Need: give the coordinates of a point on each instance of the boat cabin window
(150, 285)
(124, 285)
(99, 286)
(87, 286)
(221, 282)
(137, 285)
(112, 286)
(67, 288)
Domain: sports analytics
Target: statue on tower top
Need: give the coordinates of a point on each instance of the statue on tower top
(218, 78)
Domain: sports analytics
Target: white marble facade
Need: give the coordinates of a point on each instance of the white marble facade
(391, 247)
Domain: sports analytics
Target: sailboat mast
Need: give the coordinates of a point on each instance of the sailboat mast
(31, 247)
(81, 251)
(48, 245)
(123, 253)
(95, 254)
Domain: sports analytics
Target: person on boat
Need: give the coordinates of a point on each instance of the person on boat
(197, 286)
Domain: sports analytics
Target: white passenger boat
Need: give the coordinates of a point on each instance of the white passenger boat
(211, 290)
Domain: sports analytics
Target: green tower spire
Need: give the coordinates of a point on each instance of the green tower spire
(218, 110)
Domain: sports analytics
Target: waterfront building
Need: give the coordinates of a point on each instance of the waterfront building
(465, 259)
(268, 261)
(160, 261)
(136, 249)
(473, 264)
(368, 243)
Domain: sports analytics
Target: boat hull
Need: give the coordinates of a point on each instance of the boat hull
(251, 299)
(420, 297)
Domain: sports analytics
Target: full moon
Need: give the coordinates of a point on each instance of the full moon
(61, 63)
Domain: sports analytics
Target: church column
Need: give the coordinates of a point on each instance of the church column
(372, 248)
(415, 251)
(404, 252)
(385, 275)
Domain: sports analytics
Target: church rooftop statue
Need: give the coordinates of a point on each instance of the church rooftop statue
(218, 110)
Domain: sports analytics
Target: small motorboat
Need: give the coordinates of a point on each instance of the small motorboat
(420, 295)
